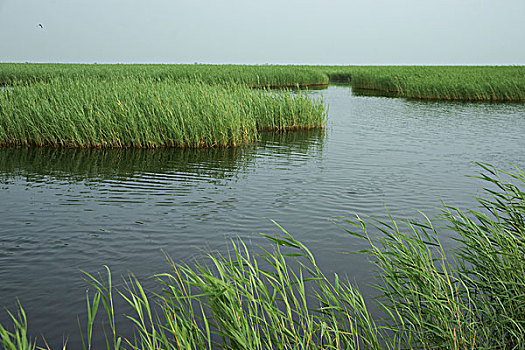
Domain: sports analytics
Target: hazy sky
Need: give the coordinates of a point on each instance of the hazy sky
(269, 31)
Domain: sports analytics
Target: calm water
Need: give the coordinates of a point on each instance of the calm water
(62, 211)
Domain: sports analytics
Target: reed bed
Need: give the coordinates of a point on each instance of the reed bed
(467, 83)
(147, 114)
(253, 76)
(474, 83)
(472, 297)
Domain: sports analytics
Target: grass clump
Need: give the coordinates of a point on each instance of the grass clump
(472, 297)
(147, 114)
(18, 338)
(242, 301)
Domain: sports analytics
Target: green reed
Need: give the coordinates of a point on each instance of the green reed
(254, 76)
(18, 338)
(147, 114)
(472, 297)
(467, 83)
(240, 301)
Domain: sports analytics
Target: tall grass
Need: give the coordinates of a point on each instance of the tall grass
(472, 297)
(474, 83)
(147, 114)
(254, 76)
(470, 83)
(241, 301)
(18, 338)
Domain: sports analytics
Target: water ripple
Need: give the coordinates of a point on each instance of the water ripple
(66, 210)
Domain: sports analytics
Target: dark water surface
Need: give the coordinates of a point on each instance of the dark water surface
(62, 211)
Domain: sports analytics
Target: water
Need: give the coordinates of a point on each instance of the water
(63, 211)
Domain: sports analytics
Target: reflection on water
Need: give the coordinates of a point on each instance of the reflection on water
(39, 164)
(210, 163)
(372, 93)
(80, 164)
(64, 210)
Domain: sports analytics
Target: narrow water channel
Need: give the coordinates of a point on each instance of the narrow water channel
(62, 211)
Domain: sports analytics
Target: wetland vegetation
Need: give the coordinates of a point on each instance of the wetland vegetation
(150, 106)
(469, 297)
(471, 83)
(149, 114)
(461, 83)
(254, 76)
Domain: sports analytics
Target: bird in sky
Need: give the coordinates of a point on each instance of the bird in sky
(40, 25)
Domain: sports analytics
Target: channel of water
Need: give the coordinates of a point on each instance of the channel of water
(63, 211)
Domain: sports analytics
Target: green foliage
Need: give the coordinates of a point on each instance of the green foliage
(147, 114)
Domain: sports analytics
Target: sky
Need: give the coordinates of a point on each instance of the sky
(260, 32)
